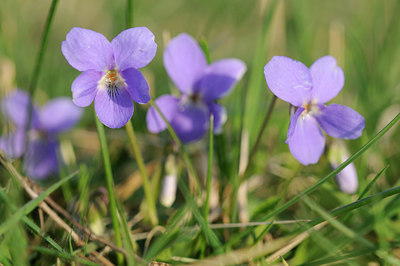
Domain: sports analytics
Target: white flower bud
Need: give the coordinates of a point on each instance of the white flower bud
(170, 182)
(347, 179)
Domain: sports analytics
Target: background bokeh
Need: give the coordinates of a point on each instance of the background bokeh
(364, 36)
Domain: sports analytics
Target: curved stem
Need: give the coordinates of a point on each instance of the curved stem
(45, 37)
(260, 134)
(146, 183)
(185, 156)
(38, 66)
(110, 185)
(209, 169)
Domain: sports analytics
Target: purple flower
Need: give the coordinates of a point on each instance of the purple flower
(200, 86)
(109, 71)
(309, 90)
(40, 156)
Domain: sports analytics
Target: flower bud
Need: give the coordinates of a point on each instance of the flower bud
(347, 178)
(169, 185)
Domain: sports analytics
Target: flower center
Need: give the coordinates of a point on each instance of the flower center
(310, 108)
(193, 100)
(112, 81)
(36, 134)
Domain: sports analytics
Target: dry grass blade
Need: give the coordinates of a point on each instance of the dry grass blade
(279, 246)
(294, 242)
(46, 208)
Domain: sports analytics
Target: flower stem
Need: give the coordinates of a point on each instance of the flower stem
(38, 66)
(129, 13)
(185, 156)
(209, 170)
(110, 185)
(260, 134)
(45, 37)
(146, 184)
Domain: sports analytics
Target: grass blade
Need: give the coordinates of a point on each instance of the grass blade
(294, 200)
(370, 184)
(31, 205)
(335, 223)
(208, 233)
(62, 255)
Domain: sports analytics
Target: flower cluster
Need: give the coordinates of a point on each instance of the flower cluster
(110, 77)
(200, 86)
(38, 141)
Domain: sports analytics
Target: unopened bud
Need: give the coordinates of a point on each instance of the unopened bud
(169, 185)
(347, 178)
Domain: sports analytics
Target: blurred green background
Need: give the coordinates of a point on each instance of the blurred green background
(363, 35)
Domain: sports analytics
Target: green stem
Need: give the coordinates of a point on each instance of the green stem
(129, 13)
(39, 60)
(45, 37)
(209, 169)
(242, 176)
(146, 183)
(110, 185)
(185, 156)
(260, 134)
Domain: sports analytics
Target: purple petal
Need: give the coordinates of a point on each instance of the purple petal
(87, 50)
(327, 77)
(220, 116)
(220, 77)
(293, 122)
(137, 85)
(168, 106)
(340, 121)
(134, 48)
(41, 159)
(306, 143)
(13, 144)
(289, 80)
(190, 122)
(114, 109)
(16, 107)
(184, 61)
(59, 115)
(84, 87)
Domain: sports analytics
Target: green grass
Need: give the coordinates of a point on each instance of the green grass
(362, 228)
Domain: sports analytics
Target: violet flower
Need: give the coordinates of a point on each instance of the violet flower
(110, 76)
(309, 90)
(200, 86)
(40, 156)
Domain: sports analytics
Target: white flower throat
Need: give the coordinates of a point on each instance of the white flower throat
(112, 81)
(311, 108)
